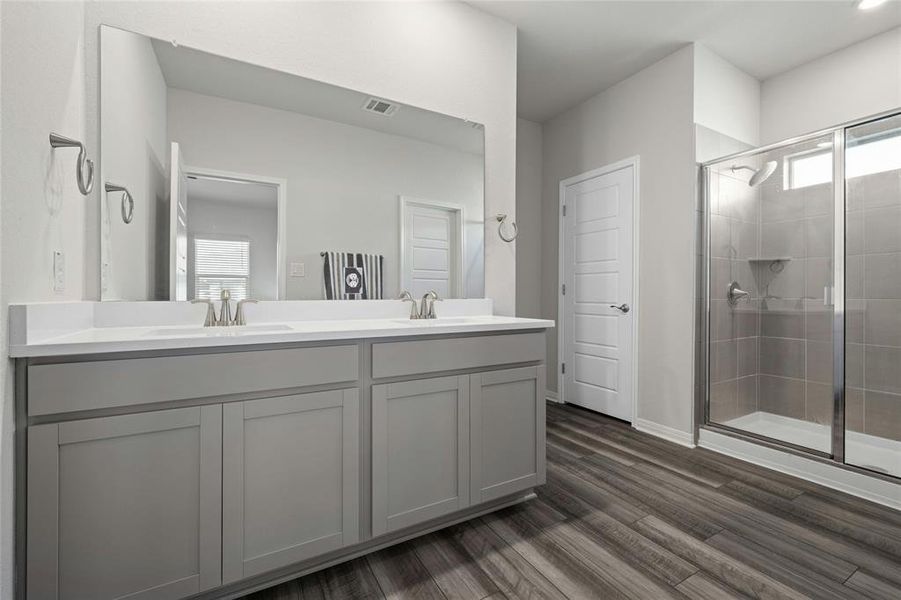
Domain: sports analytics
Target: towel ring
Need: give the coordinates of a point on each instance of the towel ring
(127, 206)
(85, 182)
(500, 228)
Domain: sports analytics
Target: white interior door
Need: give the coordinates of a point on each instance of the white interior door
(178, 226)
(431, 248)
(597, 299)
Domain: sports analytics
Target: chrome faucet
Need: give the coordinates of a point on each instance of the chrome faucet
(406, 296)
(427, 305)
(225, 313)
(211, 320)
(240, 319)
(735, 293)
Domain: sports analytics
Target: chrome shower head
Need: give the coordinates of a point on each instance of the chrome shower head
(760, 175)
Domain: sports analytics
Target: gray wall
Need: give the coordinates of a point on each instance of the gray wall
(42, 62)
(649, 115)
(857, 81)
(528, 219)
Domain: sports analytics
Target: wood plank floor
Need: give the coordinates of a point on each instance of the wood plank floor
(626, 515)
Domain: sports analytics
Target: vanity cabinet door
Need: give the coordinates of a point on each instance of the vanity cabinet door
(420, 451)
(290, 480)
(508, 432)
(125, 506)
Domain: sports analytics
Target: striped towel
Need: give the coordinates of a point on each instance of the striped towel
(352, 276)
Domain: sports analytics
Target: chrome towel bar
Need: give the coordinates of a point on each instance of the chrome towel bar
(85, 182)
(127, 206)
(501, 218)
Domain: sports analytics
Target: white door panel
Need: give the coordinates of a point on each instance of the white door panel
(598, 330)
(430, 259)
(596, 246)
(431, 227)
(431, 248)
(597, 338)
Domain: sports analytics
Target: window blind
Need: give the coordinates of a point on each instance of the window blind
(221, 264)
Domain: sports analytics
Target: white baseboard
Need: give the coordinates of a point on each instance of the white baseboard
(857, 484)
(662, 431)
(551, 396)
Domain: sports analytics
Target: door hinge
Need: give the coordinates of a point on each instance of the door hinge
(563, 289)
(564, 210)
(563, 368)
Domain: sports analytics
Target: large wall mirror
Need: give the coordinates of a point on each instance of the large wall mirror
(220, 174)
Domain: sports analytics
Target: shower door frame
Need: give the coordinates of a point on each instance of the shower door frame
(839, 186)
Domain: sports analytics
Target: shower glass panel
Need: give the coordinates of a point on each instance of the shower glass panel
(873, 291)
(771, 267)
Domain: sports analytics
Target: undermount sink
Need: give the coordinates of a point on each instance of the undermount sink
(233, 330)
(443, 321)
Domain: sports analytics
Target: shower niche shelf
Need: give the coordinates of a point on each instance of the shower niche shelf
(776, 264)
(769, 259)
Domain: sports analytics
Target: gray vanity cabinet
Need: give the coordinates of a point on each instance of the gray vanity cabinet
(125, 506)
(162, 477)
(420, 451)
(290, 480)
(507, 432)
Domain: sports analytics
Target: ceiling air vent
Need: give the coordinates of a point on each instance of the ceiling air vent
(380, 107)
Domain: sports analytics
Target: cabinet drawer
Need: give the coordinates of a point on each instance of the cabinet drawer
(69, 387)
(394, 359)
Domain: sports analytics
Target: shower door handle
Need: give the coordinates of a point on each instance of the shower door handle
(623, 308)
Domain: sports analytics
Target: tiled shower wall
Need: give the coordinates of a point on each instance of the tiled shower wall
(873, 280)
(795, 371)
(734, 239)
(771, 353)
(774, 352)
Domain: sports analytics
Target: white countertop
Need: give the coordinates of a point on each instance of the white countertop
(80, 328)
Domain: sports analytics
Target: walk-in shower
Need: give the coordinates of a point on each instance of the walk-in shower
(802, 274)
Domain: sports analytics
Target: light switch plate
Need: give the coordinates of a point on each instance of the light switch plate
(104, 275)
(59, 271)
(298, 269)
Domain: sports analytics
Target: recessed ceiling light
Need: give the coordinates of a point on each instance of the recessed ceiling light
(868, 4)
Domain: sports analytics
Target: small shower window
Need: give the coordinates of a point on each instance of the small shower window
(807, 169)
(874, 154)
(864, 156)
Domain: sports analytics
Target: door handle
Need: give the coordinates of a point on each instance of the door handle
(623, 308)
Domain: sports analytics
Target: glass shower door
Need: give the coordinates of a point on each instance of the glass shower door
(771, 294)
(873, 290)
